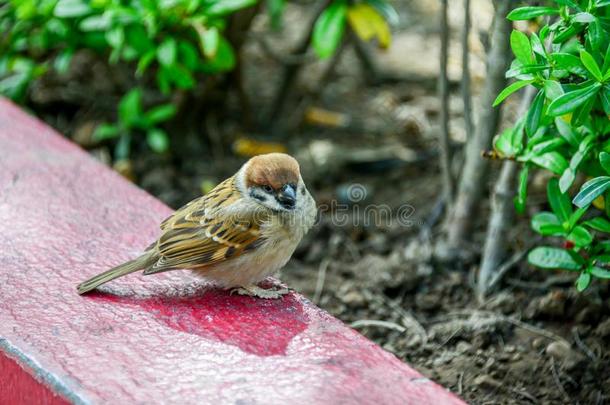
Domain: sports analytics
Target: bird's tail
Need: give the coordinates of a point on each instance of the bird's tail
(146, 260)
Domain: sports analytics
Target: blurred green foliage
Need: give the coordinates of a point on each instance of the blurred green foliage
(566, 130)
(176, 42)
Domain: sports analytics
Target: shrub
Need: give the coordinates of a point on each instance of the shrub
(566, 131)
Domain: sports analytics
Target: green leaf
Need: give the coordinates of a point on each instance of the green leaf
(575, 217)
(328, 29)
(123, 147)
(552, 258)
(130, 108)
(144, 62)
(583, 18)
(591, 190)
(209, 40)
(386, 10)
(569, 62)
(510, 90)
(566, 131)
(604, 160)
(527, 13)
(223, 7)
(116, 37)
(580, 236)
(275, 9)
(161, 113)
(520, 44)
(105, 131)
(552, 89)
(224, 60)
(560, 203)
(71, 9)
(534, 114)
(166, 53)
(99, 22)
(158, 140)
(599, 272)
(551, 161)
(591, 65)
(572, 100)
(604, 96)
(567, 178)
(546, 224)
(583, 281)
(521, 196)
(598, 224)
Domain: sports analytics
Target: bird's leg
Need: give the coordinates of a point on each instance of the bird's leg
(256, 291)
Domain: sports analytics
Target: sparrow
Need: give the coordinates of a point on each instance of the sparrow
(242, 231)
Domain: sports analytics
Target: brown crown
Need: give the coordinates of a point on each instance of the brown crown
(273, 169)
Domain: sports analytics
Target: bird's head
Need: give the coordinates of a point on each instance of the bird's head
(274, 181)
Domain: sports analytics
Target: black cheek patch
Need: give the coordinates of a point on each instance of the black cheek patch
(302, 190)
(258, 196)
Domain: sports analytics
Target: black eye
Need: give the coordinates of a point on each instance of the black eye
(268, 188)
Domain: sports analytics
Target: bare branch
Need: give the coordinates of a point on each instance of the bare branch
(472, 179)
(445, 151)
(466, 90)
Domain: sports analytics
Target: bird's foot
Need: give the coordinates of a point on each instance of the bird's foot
(256, 291)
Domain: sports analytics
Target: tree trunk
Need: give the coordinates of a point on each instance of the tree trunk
(473, 175)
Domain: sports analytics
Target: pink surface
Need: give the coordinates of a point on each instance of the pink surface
(168, 337)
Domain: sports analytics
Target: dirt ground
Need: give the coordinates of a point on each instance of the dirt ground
(534, 340)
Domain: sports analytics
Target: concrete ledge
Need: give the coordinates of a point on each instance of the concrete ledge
(165, 338)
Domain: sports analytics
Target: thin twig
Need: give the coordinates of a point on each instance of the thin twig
(382, 324)
(508, 264)
(466, 87)
(284, 59)
(472, 179)
(582, 346)
(558, 381)
(445, 152)
(499, 317)
(291, 71)
(321, 279)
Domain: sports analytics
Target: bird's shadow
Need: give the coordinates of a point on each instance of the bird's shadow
(258, 326)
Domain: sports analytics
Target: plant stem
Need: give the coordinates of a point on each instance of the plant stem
(290, 72)
(466, 91)
(502, 210)
(473, 175)
(445, 151)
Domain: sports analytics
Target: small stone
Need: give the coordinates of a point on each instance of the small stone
(538, 343)
(486, 381)
(565, 355)
(463, 347)
(354, 299)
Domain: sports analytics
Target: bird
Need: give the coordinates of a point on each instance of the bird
(243, 230)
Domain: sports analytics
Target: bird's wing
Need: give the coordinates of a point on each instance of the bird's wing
(202, 232)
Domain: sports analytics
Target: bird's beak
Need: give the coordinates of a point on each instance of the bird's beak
(287, 196)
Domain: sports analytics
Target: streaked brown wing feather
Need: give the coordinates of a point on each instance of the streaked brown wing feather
(201, 233)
